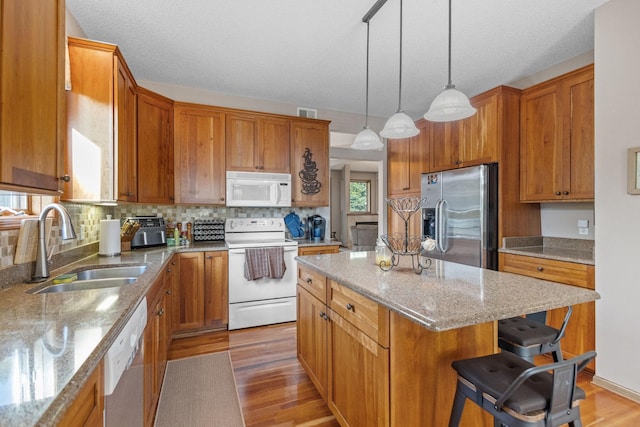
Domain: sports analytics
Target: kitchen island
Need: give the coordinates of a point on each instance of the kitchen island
(397, 332)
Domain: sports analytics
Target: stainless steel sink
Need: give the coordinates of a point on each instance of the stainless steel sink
(111, 272)
(94, 278)
(80, 285)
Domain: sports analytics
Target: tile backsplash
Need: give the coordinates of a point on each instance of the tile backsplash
(86, 222)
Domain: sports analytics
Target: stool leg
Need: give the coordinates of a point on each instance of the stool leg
(458, 407)
(557, 355)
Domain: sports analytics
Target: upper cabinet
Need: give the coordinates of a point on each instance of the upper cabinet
(309, 148)
(32, 95)
(101, 124)
(199, 145)
(256, 143)
(557, 139)
(155, 148)
(407, 160)
(474, 140)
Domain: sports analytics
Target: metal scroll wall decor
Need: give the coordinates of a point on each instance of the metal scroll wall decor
(309, 174)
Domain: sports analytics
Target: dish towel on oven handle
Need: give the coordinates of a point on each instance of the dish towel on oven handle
(264, 262)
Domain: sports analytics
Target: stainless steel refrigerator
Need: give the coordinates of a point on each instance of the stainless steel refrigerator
(461, 214)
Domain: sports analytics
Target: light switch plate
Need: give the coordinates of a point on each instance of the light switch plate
(583, 223)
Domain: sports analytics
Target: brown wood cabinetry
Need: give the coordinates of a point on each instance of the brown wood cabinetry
(32, 95)
(312, 326)
(309, 148)
(87, 409)
(199, 154)
(155, 148)
(157, 336)
(557, 139)
(343, 344)
(407, 160)
(256, 143)
(445, 146)
(395, 223)
(318, 250)
(200, 292)
(580, 333)
(101, 124)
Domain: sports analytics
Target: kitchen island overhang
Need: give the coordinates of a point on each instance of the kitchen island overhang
(447, 295)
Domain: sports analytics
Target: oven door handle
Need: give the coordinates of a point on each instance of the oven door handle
(286, 249)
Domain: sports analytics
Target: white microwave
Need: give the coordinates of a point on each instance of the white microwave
(257, 189)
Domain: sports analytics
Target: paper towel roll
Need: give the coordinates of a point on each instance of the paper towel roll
(109, 237)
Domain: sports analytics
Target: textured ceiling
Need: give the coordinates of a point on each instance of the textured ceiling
(312, 53)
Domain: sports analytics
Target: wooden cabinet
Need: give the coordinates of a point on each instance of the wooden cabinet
(312, 331)
(580, 333)
(199, 155)
(480, 138)
(343, 344)
(200, 292)
(358, 384)
(318, 250)
(87, 409)
(32, 95)
(157, 336)
(395, 223)
(309, 147)
(125, 124)
(256, 143)
(557, 139)
(155, 148)
(216, 293)
(101, 124)
(407, 160)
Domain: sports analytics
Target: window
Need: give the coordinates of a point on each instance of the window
(359, 196)
(14, 206)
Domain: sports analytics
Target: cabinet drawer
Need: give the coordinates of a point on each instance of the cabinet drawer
(313, 282)
(569, 273)
(365, 314)
(318, 250)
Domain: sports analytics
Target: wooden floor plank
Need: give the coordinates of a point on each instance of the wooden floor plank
(275, 391)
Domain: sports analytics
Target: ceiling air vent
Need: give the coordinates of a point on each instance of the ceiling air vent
(308, 113)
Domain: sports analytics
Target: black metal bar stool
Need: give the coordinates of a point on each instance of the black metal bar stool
(529, 336)
(517, 393)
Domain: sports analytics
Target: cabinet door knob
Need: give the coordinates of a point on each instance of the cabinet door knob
(309, 280)
(222, 199)
(322, 314)
(168, 270)
(169, 292)
(539, 268)
(350, 307)
(209, 257)
(557, 193)
(566, 193)
(65, 178)
(161, 312)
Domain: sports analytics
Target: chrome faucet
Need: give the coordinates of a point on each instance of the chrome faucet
(42, 267)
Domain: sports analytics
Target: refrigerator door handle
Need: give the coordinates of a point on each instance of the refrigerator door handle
(444, 240)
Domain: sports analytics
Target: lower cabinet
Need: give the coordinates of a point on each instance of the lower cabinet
(200, 292)
(580, 333)
(156, 341)
(343, 344)
(318, 250)
(87, 409)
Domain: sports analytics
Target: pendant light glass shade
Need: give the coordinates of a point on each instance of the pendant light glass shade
(399, 126)
(367, 139)
(451, 104)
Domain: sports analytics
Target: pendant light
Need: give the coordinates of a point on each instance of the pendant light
(399, 125)
(367, 139)
(451, 104)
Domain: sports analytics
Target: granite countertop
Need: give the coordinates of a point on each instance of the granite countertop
(560, 249)
(50, 343)
(446, 295)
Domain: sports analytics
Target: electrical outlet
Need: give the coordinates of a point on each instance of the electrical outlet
(583, 223)
(583, 230)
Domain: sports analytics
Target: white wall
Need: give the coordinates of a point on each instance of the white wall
(617, 108)
(561, 219)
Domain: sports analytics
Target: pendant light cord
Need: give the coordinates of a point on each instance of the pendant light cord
(366, 108)
(400, 71)
(449, 84)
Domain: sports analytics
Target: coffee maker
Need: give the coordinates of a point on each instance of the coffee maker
(316, 227)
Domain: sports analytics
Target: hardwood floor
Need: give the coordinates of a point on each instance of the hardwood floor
(275, 391)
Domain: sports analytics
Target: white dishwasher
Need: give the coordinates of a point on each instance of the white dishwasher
(124, 373)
